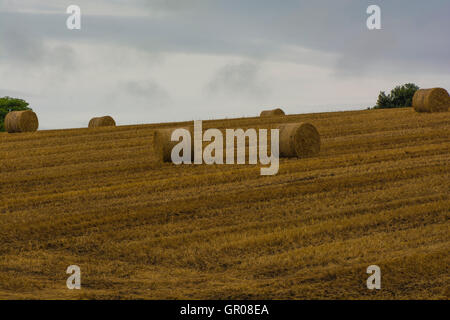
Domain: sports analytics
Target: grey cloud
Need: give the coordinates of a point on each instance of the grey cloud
(412, 40)
(240, 79)
(173, 5)
(365, 52)
(148, 91)
(324, 36)
(8, 92)
(118, 7)
(414, 32)
(21, 44)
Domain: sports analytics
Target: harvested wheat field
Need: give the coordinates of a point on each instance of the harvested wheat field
(376, 194)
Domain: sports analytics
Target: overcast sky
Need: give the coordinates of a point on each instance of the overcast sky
(144, 61)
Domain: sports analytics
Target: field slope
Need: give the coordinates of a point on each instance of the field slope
(377, 194)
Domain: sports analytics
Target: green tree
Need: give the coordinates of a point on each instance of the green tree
(399, 97)
(8, 104)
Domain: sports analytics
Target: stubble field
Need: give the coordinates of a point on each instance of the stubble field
(378, 193)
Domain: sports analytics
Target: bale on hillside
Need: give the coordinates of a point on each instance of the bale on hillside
(299, 140)
(21, 121)
(106, 121)
(163, 144)
(431, 100)
(272, 113)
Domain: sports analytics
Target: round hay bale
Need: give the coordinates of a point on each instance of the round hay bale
(299, 140)
(431, 100)
(163, 144)
(272, 113)
(21, 121)
(106, 121)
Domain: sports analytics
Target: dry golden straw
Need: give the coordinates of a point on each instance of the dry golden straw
(21, 121)
(431, 100)
(106, 121)
(299, 140)
(272, 113)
